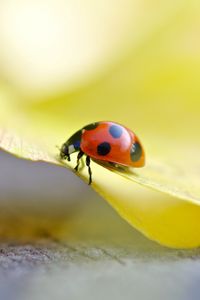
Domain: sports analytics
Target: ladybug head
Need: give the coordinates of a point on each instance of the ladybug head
(71, 145)
(64, 152)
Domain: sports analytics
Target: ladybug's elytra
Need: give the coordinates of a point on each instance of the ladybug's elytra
(105, 142)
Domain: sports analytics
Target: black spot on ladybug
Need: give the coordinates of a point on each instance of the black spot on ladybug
(136, 151)
(103, 148)
(91, 126)
(115, 131)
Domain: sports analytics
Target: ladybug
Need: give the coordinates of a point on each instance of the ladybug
(106, 143)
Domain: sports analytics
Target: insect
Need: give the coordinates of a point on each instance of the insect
(105, 142)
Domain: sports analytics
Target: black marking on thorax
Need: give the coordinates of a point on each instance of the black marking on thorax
(91, 126)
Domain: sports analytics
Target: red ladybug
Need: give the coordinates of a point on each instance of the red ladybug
(105, 142)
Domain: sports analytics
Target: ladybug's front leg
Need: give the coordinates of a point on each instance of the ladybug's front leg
(80, 154)
(89, 169)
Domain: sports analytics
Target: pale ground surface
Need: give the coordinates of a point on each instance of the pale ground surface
(54, 246)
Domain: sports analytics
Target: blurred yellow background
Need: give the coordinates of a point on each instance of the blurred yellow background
(135, 62)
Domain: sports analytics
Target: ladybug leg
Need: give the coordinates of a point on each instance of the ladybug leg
(67, 155)
(80, 154)
(89, 169)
